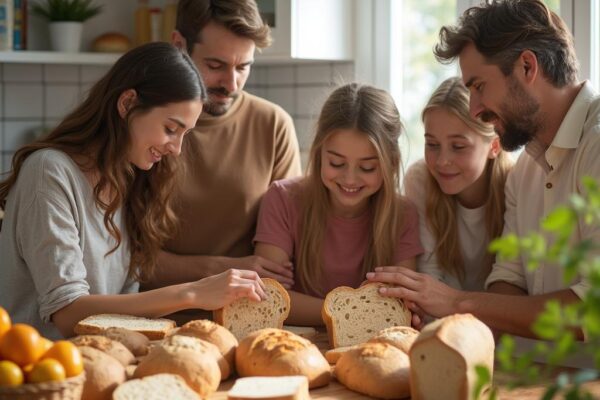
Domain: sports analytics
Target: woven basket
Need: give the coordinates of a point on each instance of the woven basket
(69, 389)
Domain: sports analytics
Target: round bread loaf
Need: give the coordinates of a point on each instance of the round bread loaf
(275, 352)
(111, 347)
(332, 356)
(202, 374)
(111, 42)
(103, 374)
(401, 337)
(213, 333)
(375, 369)
(135, 342)
(200, 346)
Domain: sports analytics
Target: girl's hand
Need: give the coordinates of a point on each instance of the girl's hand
(429, 294)
(220, 290)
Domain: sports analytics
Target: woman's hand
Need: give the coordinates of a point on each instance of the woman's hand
(427, 293)
(220, 290)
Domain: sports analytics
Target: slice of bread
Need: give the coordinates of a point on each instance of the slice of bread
(353, 316)
(450, 347)
(244, 316)
(307, 332)
(277, 388)
(155, 387)
(154, 329)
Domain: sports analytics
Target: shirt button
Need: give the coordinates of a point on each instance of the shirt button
(548, 185)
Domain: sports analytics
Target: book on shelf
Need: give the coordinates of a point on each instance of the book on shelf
(6, 24)
(20, 25)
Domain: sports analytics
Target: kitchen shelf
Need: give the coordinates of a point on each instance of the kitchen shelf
(55, 57)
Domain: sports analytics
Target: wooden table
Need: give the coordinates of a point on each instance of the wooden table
(335, 390)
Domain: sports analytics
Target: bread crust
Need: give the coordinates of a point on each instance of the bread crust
(103, 374)
(109, 346)
(275, 352)
(401, 337)
(87, 326)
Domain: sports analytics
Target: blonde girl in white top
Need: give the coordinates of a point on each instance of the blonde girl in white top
(458, 189)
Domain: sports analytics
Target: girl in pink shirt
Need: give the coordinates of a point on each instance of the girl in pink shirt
(346, 216)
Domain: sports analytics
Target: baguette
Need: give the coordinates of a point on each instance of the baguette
(153, 329)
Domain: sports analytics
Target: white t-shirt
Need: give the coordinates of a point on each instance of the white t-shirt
(53, 243)
(471, 231)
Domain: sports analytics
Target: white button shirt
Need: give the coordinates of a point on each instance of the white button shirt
(543, 179)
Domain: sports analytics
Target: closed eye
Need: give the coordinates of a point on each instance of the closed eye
(334, 165)
(364, 169)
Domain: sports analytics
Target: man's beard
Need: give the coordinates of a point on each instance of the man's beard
(217, 109)
(521, 120)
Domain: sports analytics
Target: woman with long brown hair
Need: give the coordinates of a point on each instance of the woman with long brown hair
(346, 216)
(88, 207)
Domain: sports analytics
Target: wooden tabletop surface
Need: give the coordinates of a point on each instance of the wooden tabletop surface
(335, 390)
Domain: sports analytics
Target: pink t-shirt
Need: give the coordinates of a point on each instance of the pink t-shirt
(345, 242)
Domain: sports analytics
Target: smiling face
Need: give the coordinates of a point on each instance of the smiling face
(500, 100)
(223, 59)
(350, 170)
(160, 131)
(456, 156)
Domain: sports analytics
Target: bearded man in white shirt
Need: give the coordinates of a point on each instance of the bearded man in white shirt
(518, 60)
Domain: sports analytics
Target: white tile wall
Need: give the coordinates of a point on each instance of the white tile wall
(33, 96)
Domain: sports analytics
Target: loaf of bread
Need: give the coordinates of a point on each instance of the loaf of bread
(447, 350)
(353, 316)
(111, 42)
(154, 329)
(155, 387)
(332, 356)
(401, 337)
(375, 369)
(244, 315)
(275, 352)
(135, 342)
(102, 374)
(212, 333)
(307, 332)
(203, 348)
(111, 347)
(270, 388)
(200, 371)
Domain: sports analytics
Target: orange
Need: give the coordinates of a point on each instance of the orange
(10, 374)
(46, 344)
(21, 344)
(4, 321)
(46, 370)
(68, 355)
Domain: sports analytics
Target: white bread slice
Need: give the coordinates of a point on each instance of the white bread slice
(154, 329)
(244, 316)
(270, 388)
(307, 332)
(155, 387)
(447, 350)
(353, 316)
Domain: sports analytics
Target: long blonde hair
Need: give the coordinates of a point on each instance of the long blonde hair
(96, 134)
(372, 112)
(440, 208)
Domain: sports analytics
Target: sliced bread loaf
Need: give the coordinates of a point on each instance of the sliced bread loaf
(154, 329)
(353, 316)
(448, 349)
(244, 316)
(270, 388)
(155, 387)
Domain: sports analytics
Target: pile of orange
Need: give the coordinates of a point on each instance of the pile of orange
(27, 357)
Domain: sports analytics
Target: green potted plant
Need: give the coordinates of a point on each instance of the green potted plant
(66, 19)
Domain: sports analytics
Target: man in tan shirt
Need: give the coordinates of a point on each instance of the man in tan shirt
(240, 145)
(527, 86)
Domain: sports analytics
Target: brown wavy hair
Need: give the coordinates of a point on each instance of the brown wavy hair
(373, 113)
(440, 208)
(239, 16)
(97, 137)
(502, 30)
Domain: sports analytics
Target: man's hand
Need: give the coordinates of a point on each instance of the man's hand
(427, 293)
(283, 273)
